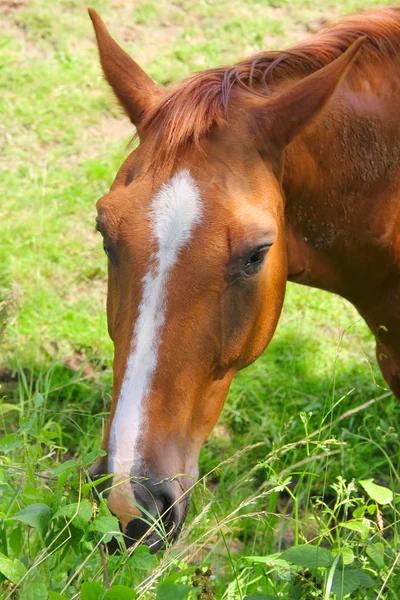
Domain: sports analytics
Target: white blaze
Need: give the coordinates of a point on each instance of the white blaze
(174, 212)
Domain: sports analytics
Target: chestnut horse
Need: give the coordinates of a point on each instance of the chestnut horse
(282, 167)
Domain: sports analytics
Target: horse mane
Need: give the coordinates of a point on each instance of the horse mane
(187, 112)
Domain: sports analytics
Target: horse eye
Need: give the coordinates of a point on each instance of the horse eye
(256, 259)
(106, 250)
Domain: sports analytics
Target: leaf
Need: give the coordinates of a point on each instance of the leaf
(61, 480)
(272, 560)
(35, 515)
(359, 512)
(38, 400)
(142, 559)
(16, 540)
(261, 597)
(10, 442)
(68, 465)
(26, 424)
(88, 486)
(308, 556)
(173, 591)
(13, 570)
(55, 596)
(361, 526)
(347, 555)
(381, 495)
(35, 590)
(364, 578)
(106, 525)
(347, 580)
(5, 408)
(296, 593)
(376, 553)
(83, 512)
(91, 590)
(119, 592)
(91, 457)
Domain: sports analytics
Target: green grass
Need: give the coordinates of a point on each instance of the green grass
(298, 432)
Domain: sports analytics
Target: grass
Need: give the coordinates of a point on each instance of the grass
(301, 428)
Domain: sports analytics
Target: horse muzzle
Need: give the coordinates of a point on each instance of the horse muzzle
(150, 510)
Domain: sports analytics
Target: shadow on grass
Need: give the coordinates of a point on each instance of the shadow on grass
(288, 395)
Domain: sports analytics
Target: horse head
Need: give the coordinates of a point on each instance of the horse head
(194, 231)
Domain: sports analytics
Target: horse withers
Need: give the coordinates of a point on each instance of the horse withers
(282, 167)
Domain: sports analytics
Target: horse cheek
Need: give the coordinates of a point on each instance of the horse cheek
(273, 295)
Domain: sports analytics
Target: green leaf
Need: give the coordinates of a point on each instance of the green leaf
(365, 579)
(272, 560)
(16, 540)
(55, 596)
(120, 592)
(91, 457)
(361, 526)
(35, 590)
(26, 424)
(142, 559)
(308, 556)
(261, 597)
(38, 400)
(5, 408)
(35, 515)
(61, 480)
(296, 593)
(13, 570)
(173, 591)
(347, 555)
(106, 525)
(83, 512)
(68, 465)
(91, 590)
(10, 442)
(347, 580)
(359, 512)
(88, 486)
(381, 495)
(376, 553)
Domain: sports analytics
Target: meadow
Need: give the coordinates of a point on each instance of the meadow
(298, 495)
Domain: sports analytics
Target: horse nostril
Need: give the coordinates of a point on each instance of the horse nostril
(161, 504)
(168, 512)
(149, 511)
(159, 516)
(157, 503)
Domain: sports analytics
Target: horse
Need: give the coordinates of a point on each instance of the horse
(282, 167)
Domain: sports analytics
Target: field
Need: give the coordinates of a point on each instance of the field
(304, 431)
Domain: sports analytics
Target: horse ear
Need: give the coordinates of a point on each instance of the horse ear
(287, 113)
(135, 90)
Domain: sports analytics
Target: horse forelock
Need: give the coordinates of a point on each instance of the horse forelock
(186, 113)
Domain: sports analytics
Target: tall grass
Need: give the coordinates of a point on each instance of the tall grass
(291, 484)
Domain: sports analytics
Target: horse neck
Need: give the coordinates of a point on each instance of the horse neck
(340, 181)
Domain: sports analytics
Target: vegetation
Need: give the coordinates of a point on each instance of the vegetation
(299, 490)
